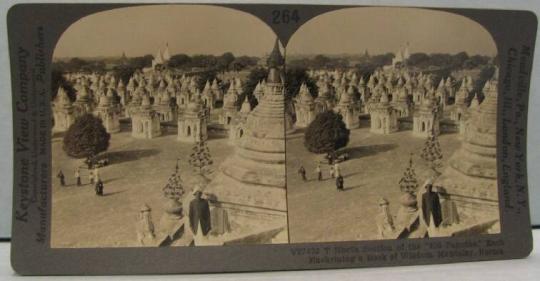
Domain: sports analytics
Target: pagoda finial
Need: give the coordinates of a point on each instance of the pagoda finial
(275, 59)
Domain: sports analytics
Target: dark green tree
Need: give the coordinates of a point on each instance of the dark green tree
(485, 74)
(458, 59)
(76, 64)
(254, 77)
(86, 138)
(179, 60)
(223, 62)
(408, 182)
(174, 189)
(141, 62)
(418, 59)
(124, 72)
(320, 61)
(203, 61)
(326, 134)
(293, 80)
(204, 76)
(200, 159)
(57, 80)
(432, 153)
(243, 62)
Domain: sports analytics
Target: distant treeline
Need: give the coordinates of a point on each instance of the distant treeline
(460, 60)
(368, 64)
(224, 62)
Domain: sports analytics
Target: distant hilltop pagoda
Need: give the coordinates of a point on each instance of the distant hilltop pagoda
(161, 58)
(471, 178)
(250, 184)
(401, 56)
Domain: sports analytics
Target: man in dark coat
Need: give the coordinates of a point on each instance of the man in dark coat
(99, 188)
(78, 176)
(339, 183)
(62, 178)
(199, 214)
(431, 207)
(302, 172)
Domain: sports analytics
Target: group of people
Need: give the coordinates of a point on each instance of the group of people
(335, 173)
(434, 211)
(93, 176)
(437, 210)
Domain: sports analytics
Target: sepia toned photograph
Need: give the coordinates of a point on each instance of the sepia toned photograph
(173, 127)
(168, 130)
(393, 126)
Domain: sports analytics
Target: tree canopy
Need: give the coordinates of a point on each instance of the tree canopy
(432, 153)
(255, 76)
(485, 74)
(451, 61)
(201, 160)
(224, 62)
(319, 62)
(326, 134)
(86, 137)
(294, 78)
(57, 81)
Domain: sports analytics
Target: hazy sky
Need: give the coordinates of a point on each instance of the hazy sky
(189, 29)
(193, 29)
(381, 30)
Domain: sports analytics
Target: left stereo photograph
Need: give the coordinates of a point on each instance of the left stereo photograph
(168, 130)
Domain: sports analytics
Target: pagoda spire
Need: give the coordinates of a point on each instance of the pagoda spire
(275, 59)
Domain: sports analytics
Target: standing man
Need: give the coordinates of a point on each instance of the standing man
(384, 220)
(431, 208)
(332, 171)
(91, 176)
(99, 187)
(62, 178)
(319, 172)
(302, 172)
(199, 217)
(339, 183)
(78, 176)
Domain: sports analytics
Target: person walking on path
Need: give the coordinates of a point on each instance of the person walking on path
(339, 183)
(62, 178)
(91, 177)
(319, 172)
(302, 172)
(332, 171)
(99, 188)
(78, 176)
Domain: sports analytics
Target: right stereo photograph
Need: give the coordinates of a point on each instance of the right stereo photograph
(391, 127)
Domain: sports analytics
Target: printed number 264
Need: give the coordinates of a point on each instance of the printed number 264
(285, 16)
